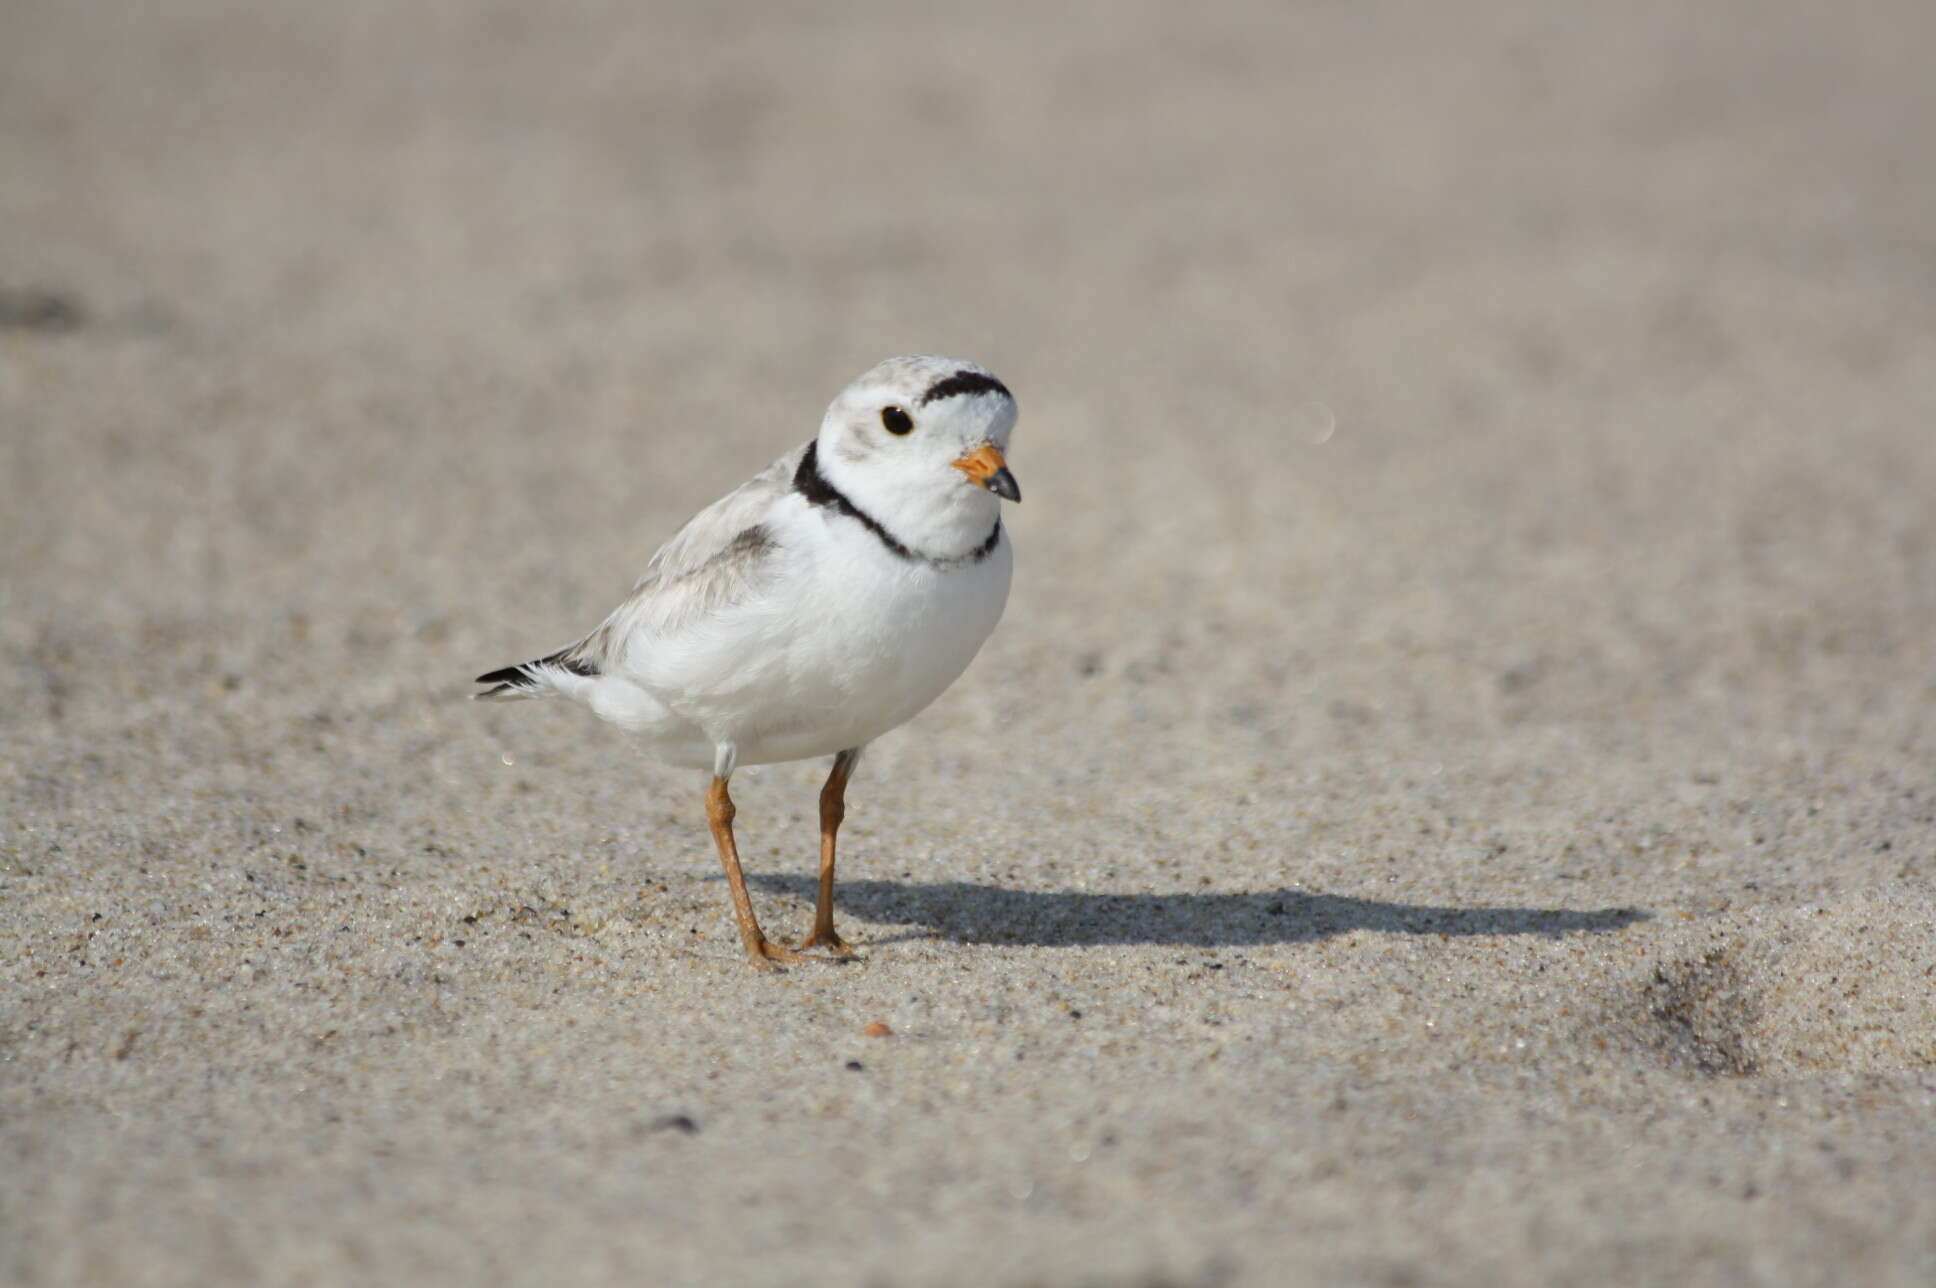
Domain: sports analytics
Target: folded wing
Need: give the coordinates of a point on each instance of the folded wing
(718, 557)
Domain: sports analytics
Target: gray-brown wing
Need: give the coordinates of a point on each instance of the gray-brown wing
(713, 529)
(715, 559)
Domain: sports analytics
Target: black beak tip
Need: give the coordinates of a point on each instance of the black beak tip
(1003, 485)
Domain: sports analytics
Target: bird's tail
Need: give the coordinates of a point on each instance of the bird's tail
(532, 679)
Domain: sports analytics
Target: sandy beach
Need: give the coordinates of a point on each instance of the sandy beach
(1452, 798)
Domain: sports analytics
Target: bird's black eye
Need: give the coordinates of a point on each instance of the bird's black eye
(897, 420)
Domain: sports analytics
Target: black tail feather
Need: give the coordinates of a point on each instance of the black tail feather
(519, 677)
(509, 675)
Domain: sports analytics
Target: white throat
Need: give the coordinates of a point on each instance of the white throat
(939, 519)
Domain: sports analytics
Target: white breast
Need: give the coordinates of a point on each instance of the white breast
(846, 641)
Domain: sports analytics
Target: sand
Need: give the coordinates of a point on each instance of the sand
(1451, 799)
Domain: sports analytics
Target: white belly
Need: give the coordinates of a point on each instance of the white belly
(848, 642)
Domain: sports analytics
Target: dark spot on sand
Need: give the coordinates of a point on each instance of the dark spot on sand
(674, 1122)
(1704, 1014)
(48, 312)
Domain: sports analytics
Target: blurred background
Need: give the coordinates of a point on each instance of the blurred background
(1465, 368)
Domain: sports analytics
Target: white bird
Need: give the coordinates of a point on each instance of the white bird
(815, 607)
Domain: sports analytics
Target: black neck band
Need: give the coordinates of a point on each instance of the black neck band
(810, 483)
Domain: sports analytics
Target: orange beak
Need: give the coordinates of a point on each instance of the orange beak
(985, 466)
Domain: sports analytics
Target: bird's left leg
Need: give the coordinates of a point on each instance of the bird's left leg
(833, 808)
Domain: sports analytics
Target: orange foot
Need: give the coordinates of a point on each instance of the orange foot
(767, 955)
(829, 939)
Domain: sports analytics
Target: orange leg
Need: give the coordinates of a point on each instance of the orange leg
(762, 951)
(833, 808)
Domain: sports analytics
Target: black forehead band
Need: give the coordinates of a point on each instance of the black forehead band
(964, 382)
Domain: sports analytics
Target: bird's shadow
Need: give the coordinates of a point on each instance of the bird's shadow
(969, 913)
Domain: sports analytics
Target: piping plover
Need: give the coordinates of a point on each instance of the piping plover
(813, 608)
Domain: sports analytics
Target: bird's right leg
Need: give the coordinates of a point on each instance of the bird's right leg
(760, 950)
